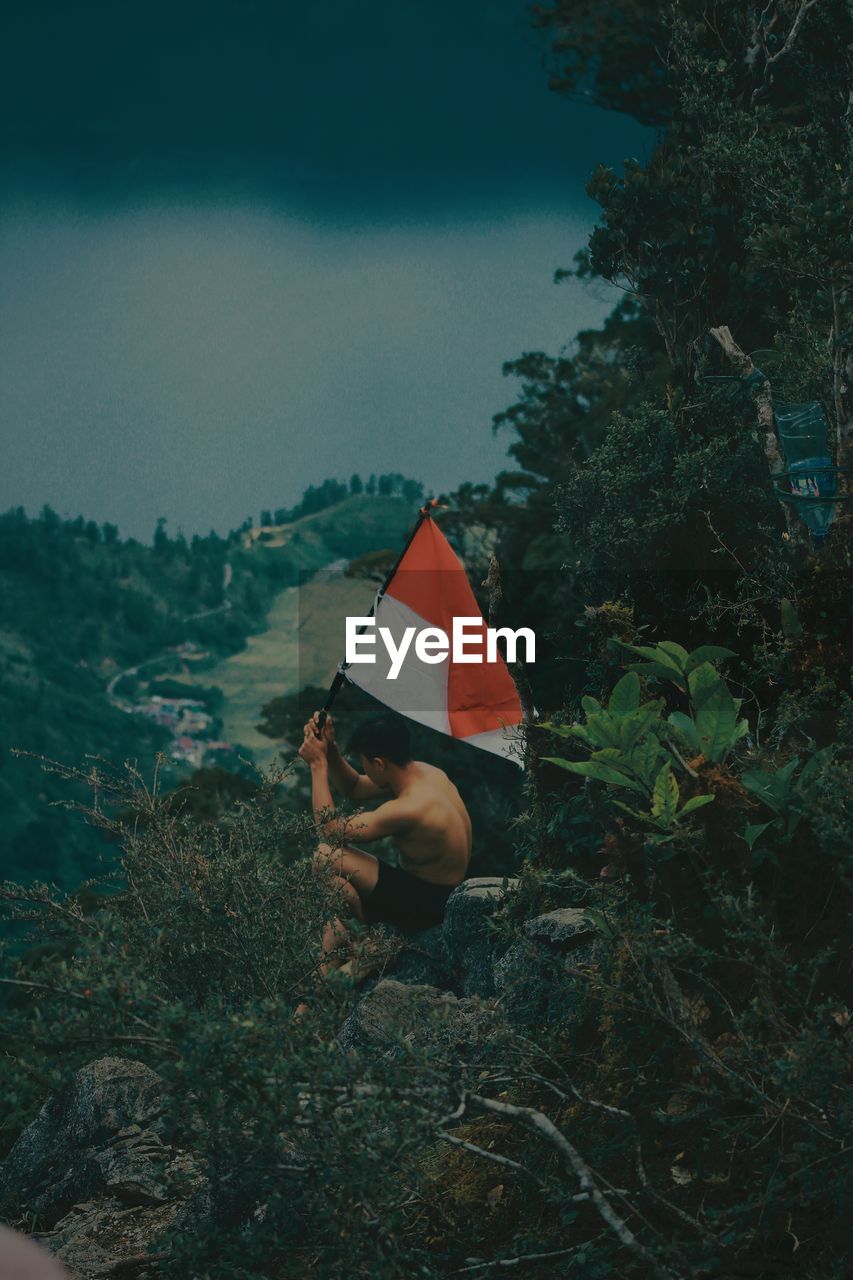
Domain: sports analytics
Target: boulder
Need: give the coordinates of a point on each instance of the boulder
(98, 1135)
(542, 976)
(396, 1013)
(563, 929)
(93, 1168)
(423, 959)
(103, 1238)
(468, 947)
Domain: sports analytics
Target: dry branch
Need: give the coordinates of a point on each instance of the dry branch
(763, 398)
(539, 1122)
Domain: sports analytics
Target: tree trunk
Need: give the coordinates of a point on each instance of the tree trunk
(763, 398)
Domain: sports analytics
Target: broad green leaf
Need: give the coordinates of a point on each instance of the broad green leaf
(694, 803)
(665, 796)
(714, 712)
(626, 808)
(812, 766)
(659, 842)
(652, 708)
(657, 657)
(759, 782)
(614, 759)
(708, 653)
(602, 924)
(625, 697)
(598, 772)
(562, 730)
(675, 651)
(602, 730)
(658, 671)
(753, 831)
(646, 761)
(685, 726)
(781, 782)
(590, 705)
(571, 731)
(635, 726)
(644, 650)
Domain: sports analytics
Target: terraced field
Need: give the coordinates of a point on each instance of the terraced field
(303, 643)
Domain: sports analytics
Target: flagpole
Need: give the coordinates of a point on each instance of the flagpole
(424, 513)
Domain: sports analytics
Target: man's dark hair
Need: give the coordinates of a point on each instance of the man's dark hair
(384, 736)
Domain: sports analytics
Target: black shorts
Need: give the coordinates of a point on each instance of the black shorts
(401, 899)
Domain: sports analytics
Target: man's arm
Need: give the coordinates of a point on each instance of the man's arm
(351, 783)
(315, 752)
(390, 819)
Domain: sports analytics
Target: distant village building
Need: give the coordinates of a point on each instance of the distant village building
(187, 750)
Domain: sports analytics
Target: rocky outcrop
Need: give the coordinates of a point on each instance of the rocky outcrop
(470, 953)
(563, 929)
(396, 1014)
(94, 1169)
(424, 960)
(543, 975)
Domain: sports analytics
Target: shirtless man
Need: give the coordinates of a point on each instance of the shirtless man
(422, 812)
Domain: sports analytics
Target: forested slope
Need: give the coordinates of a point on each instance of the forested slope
(78, 605)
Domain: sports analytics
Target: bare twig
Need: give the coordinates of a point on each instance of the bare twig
(770, 60)
(494, 1156)
(520, 1261)
(539, 1122)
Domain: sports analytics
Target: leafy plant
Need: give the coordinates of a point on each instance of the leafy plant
(712, 729)
(791, 798)
(670, 661)
(626, 750)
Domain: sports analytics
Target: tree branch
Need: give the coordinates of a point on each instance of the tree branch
(842, 376)
(763, 399)
(540, 1123)
(494, 1156)
(520, 1261)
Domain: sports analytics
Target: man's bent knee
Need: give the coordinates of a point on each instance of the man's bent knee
(350, 895)
(322, 857)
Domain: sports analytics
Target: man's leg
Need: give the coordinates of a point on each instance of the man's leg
(358, 868)
(336, 934)
(354, 874)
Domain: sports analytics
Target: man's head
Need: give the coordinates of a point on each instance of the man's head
(383, 744)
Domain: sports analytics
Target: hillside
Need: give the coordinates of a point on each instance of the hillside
(79, 607)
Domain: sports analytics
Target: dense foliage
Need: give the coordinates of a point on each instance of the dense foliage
(679, 1106)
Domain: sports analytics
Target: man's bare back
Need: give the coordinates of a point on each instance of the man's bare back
(435, 845)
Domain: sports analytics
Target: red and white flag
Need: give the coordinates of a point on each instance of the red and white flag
(474, 701)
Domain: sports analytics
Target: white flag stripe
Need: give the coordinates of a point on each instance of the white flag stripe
(420, 690)
(508, 742)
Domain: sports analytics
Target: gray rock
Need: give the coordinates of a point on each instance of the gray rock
(423, 959)
(469, 950)
(394, 1014)
(564, 928)
(89, 1138)
(542, 976)
(93, 1167)
(96, 1236)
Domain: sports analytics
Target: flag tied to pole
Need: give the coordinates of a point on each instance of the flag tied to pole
(476, 702)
